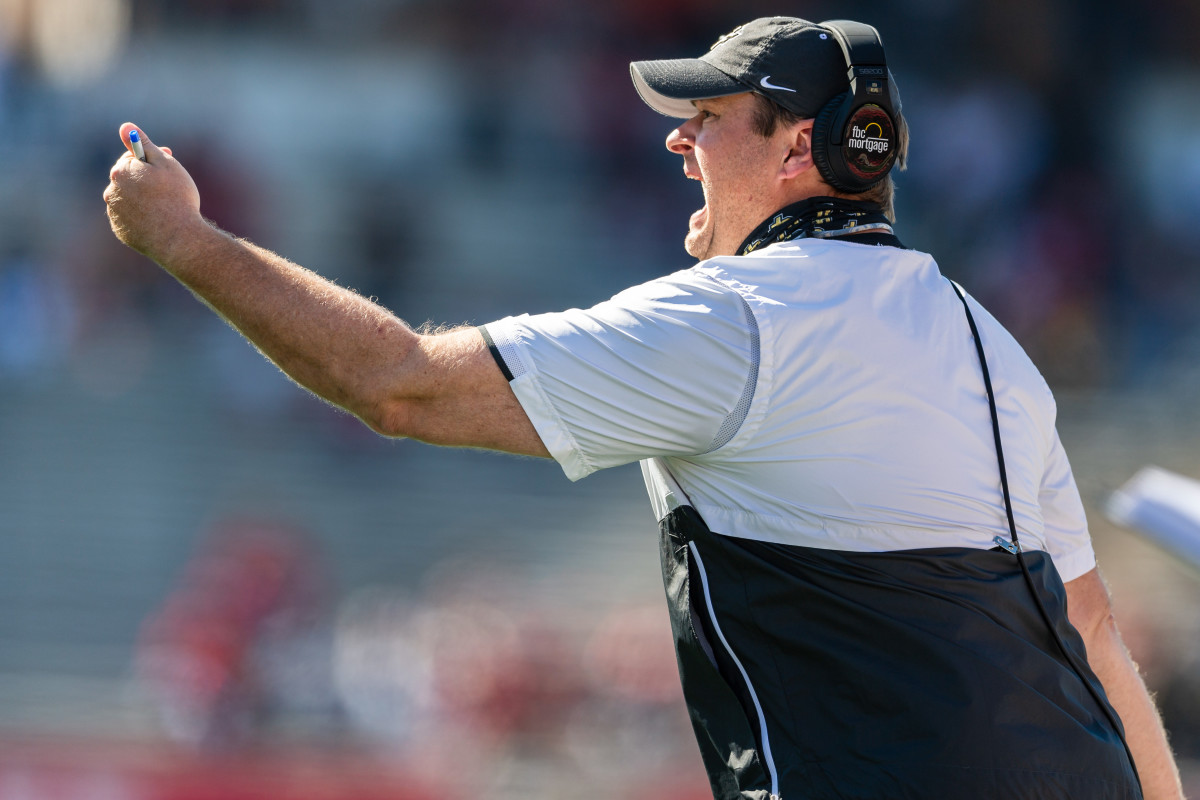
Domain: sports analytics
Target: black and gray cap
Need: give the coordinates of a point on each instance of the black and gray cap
(796, 63)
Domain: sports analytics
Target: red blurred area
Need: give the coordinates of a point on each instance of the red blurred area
(253, 583)
(74, 769)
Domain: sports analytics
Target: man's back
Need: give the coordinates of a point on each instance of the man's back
(869, 427)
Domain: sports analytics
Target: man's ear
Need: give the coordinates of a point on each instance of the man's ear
(798, 158)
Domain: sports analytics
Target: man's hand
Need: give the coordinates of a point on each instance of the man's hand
(152, 203)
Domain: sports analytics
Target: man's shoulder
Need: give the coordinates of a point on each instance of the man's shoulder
(781, 263)
(702, 282)
(777, 271)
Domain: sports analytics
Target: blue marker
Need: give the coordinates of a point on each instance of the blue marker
(136, 143)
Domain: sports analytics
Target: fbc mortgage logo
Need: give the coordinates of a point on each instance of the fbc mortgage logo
(869, 137)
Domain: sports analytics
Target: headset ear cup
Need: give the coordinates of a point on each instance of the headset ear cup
(822, 141)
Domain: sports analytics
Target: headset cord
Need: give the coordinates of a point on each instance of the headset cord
(1015, 548)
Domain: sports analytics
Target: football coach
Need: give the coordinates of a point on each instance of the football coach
(877, 564)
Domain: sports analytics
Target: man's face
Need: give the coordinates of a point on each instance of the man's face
(738, 170)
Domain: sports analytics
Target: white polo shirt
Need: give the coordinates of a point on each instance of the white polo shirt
(818, 393)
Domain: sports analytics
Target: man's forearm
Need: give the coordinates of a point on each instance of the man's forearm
(1090, 610)
(1143, 727)
(331, 340)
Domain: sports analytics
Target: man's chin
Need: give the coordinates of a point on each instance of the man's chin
(698, 243)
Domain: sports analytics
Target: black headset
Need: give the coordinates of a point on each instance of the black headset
(855, 142)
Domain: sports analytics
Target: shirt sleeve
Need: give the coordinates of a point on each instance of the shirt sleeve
(1067, 539)
(663, 369)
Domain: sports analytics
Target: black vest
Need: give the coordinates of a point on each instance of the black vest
(928, 673)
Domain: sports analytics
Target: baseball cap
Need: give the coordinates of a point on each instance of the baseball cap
(796, 63)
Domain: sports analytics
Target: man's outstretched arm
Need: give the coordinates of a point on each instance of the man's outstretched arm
(1090, 611)
(444, 389)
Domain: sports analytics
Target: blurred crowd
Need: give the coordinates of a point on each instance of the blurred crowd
(462, 687)
(466, 159)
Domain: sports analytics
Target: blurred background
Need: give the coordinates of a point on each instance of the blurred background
(214, 586)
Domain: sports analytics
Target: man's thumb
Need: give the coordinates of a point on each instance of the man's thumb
(148, 147)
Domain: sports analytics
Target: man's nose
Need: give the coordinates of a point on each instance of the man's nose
(680, 140)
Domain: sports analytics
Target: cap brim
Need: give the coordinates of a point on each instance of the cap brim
(670, 86)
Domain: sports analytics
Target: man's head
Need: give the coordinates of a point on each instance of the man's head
(828, 134)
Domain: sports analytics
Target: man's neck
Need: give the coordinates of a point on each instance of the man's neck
(823, 218)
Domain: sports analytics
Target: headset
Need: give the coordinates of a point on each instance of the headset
(855, 142)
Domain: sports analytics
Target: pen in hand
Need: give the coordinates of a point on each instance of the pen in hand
(136, 143)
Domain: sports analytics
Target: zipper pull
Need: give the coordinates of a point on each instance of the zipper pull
(1008, 545)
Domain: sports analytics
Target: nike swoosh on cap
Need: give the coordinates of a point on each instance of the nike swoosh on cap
(766, 84)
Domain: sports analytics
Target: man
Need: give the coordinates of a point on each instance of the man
(864, 538)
